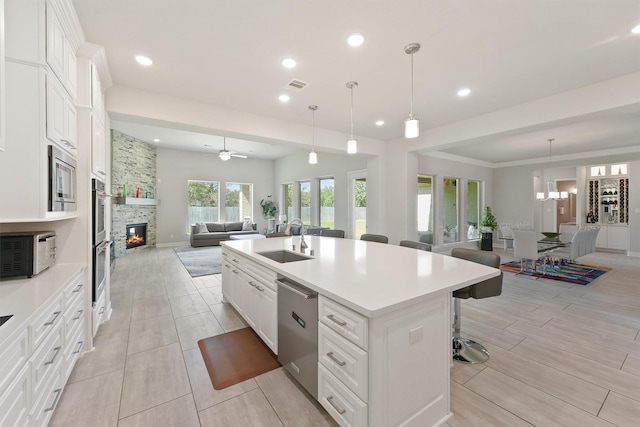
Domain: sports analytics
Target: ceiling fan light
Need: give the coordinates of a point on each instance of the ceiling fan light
(352, 146)
(313, 157)
(411, 127)
(224, 156)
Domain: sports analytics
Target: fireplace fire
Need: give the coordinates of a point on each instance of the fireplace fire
(136, 235)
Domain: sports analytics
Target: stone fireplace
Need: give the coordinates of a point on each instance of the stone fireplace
(136, 235)
(133, 166)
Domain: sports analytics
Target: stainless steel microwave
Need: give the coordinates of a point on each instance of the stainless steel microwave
(26, 253)
(62, 181)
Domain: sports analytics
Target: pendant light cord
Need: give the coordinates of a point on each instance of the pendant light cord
(351, 111)
(412, 84)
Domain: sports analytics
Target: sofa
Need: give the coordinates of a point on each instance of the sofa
(212, 233)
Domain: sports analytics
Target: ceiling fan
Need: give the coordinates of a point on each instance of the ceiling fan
(226, 154)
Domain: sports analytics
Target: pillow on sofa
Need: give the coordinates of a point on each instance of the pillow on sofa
(233, 226)
(201, 228)
(215, 227)
(295, 229)
(247, 226)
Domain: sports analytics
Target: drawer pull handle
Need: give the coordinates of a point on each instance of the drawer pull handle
(101, 310)
(78, 316)
(235, 271)
(334, 319)
(236, 261)
(335, 359)
(76, 290)
(227, 265)
(252, 284)
(55, 400)
(53, 319)
(260, 288)
(80, 345)
(336, 407)
(55, 356)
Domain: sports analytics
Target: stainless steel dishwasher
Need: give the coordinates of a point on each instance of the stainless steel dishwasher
(298, 333)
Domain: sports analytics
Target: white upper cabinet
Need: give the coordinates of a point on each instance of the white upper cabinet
(61, 56)
(2, 141)
(62, 123)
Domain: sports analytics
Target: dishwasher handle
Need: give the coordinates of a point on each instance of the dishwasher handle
(295, 289)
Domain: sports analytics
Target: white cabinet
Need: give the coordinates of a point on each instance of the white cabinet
(62, 120)
(34, 359)
(61, 56)
(615, 237)
(98, 147)
(252, 291)
(2, 140)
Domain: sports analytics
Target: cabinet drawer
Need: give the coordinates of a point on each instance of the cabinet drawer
(13, 358)
(339, 401)
(50, 317)
(73, 291)
(73, 317)
(46, 359)
(344, 321)
(73, 347)
(345, 360)
(45, 404)
(235, 259)
(14, 400)
(266, 276)
(99, 313)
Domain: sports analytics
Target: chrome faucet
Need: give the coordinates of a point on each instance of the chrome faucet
(303, 244)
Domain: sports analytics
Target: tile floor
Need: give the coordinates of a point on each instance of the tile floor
(561, 354)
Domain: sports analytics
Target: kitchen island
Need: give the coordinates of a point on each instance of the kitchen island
(384, 324)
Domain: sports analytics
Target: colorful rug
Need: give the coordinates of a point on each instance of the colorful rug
(579, 274)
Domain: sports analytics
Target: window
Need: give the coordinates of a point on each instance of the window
(203, 202)
(359, 205)
(450, 211)
(305, 202)
(473, 209)
(287, 190)
(239, 202)
(327, 207)
(425, 205)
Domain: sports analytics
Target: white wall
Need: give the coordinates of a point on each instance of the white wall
(296, 167)
(175, 168)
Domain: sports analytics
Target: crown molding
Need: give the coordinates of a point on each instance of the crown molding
(98, 55)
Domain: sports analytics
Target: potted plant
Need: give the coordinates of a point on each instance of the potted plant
(269, 209)
(488, 223)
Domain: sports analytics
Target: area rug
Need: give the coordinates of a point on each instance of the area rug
(579, 274)
(236, 356)
(200, 261)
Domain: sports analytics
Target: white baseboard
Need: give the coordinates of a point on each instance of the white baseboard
(633, 254)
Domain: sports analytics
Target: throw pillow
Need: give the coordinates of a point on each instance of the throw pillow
(233, 226)
(215, 227)
(201, 227)
(247, 226)
(295, 229)
(287, 229)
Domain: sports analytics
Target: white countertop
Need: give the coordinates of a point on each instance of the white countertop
(22, 297)
(370, 278)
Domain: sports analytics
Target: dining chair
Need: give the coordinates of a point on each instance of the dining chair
(572, 251)
(592, 241)
(464, 349)
(416, 245)
(525, 247)
(332, 233)
(374, 238)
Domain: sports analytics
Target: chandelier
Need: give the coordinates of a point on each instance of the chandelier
(552, 191)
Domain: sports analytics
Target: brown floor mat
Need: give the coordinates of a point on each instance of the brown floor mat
(236, 356)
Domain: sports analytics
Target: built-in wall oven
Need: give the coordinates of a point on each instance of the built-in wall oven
(100, 245)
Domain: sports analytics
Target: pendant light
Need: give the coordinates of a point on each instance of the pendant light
(552, 192)
(412, 124)
(352, 143)
(313, 156)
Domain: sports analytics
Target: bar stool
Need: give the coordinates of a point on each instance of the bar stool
(466, 350)
(374, 238)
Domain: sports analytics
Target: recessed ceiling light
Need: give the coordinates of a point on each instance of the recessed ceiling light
(636, 29)
(144, 60)
(379, 122)
(355, 39)
(289, 63)
(156, 140)
(464, 92)
(284, 98)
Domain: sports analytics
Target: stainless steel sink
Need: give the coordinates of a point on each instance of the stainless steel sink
(284, 256)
